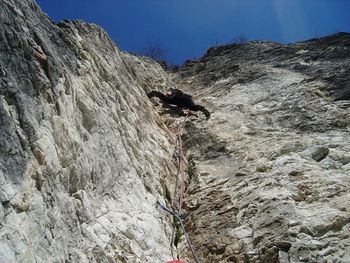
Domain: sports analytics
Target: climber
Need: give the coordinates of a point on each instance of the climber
(176, 97)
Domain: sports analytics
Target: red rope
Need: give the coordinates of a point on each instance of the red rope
(181, 169)
(182, 163)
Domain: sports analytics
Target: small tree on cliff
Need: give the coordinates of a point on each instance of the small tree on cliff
(155, 51)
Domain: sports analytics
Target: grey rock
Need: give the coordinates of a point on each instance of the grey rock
(83, 158)
(320, 153)
(278, 115)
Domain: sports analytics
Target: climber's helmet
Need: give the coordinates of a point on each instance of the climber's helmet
(171, 91)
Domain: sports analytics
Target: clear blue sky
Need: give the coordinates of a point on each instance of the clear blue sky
(186, 28)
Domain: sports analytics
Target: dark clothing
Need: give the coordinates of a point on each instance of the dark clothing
(180, 99)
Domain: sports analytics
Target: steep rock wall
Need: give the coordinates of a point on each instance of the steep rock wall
(272, 165)
(83, 159)
(84, 156)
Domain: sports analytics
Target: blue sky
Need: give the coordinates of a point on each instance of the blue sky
(186, 28)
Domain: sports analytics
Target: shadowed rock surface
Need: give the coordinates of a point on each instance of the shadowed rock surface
(84, 155)
(272, 164)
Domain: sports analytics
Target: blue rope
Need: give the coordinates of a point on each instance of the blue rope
(182, 227)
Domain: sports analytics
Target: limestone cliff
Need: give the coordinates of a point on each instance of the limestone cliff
(272, 165)
(83, 157)
(84, 154)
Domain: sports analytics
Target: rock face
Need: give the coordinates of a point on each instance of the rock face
(83, 158)
(272, 164)
(84, 155)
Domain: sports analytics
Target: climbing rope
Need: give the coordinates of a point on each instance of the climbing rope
(182, 227)
(182, 164)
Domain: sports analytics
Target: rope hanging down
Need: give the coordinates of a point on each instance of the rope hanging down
(182, 227)
(182, 164)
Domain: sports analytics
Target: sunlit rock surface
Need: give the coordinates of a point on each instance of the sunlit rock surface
(83, 158)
